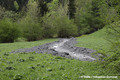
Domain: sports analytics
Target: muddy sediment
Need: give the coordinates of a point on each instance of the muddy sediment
(64, 48)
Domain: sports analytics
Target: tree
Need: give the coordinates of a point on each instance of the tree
(66, 27)
(31, 27)
(22, 3)
(42, 4)
(9, 4)
(87, 16)
(71, 9)
(57, 23)
(110, 16)
(83, 16)
(108, 13)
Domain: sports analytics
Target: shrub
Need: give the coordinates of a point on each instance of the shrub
(59, 26)
(8, 31)
(66, 27)
(113, 62)
(50, 29)
(32, 31)
(20, 39)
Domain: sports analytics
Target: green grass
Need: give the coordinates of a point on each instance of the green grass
(8, 47)
(97, 41)
(33, 66)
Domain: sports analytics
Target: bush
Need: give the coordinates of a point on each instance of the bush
(20, 39)
(31, 30)
(50, 29)
(66, 27)
(59, 27)
(113, 62)
(8, 31)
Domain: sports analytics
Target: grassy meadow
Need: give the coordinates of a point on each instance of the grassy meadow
(34, 66)
(97, 41)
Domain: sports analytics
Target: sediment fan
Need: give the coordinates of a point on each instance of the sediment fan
(64, 48)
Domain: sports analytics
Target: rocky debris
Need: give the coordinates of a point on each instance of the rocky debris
(64, 48)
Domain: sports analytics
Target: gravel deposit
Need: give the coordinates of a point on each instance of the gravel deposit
(64, 48)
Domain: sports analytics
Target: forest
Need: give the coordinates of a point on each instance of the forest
(37, 20)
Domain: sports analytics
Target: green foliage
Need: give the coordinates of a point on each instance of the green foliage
(87, 18)
(13, 5)
(42, 7)
(32, 29)
(50, 30)
(53, 5)
(56, 22)
(95, 8)
(67, 28)
(72, 9)
(107, 14)
(20, 39)
(81, 15)
(113, 61)
(83, 22)
(8, 31)
(7, 14)
(115, 4)
(16, 5)
(96, 24)
(114, 31)
(2, 12)
(47, 18)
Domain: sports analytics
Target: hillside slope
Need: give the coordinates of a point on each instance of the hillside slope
(33, 66)
(97, 41)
